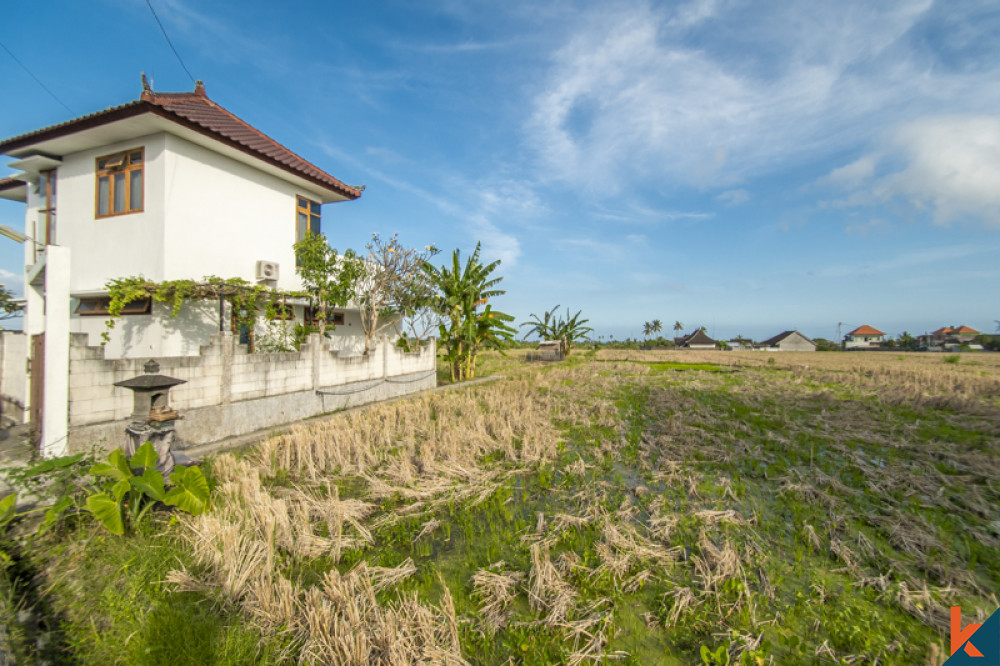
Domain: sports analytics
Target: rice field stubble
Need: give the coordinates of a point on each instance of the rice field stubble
(696, 508)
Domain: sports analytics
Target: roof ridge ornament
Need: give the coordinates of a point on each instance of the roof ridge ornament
(147, 89)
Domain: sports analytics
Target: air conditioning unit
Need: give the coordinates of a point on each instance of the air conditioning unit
(267, 270)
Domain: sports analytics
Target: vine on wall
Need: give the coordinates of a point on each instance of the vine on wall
(246, 300)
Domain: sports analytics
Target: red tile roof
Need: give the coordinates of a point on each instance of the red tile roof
(944, 330)
(866, 330)
(965, 330)
(195, 111)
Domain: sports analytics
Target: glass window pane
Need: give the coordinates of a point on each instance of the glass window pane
(119, 191)
(303, 203)
(102, 195)
(300, 227)
(314, 207)
(314, 224)
(135, 190)
(135, 157)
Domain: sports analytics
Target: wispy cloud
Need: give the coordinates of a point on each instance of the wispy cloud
(479, 208)
(906, 261)
(734, 197)
(701, 96)
(948, 167)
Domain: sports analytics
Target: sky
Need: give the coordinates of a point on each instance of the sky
(748, 166)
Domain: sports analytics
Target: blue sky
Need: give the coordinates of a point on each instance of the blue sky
(747, 166)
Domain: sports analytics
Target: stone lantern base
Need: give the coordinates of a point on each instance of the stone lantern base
(160, 435)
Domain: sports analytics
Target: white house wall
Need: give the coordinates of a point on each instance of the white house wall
(108, 247)
(222, 216)
(154, 334)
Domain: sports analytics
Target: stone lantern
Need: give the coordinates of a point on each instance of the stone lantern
(152, 417)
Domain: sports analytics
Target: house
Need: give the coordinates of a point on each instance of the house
(787, 341)
(949, 337)
(169, 186)
(864, 337)
(172, 186)
(697, 340)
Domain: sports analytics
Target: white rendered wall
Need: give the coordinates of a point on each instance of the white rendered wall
(222, 216)
(155, 334)
(109, 247)
(14, 375)
(55, 403)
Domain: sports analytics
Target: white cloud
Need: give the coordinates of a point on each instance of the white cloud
(948, 167)
(713, 93)
(13, 281)
(853, 174)
(734, 197)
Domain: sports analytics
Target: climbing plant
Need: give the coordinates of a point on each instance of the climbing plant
(246, 300)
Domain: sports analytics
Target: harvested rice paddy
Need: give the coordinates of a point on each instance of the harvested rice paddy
(633, 508)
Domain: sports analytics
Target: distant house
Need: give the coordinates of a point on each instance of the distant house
(948, 337)
(697, 340)
(864, 337)
(788, 341)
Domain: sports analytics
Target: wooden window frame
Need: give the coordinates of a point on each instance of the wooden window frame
(335, 318)
(48, 211)
(142, 306)
(121, 163)
(308, 211)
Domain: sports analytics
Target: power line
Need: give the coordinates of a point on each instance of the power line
(37, 80)
(169, 43)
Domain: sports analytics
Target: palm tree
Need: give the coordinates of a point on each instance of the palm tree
(656, 326)
(678, 326)
(647, 329)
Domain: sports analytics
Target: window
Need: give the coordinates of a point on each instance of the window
(98, 306)
(306, 218)
(244, 330)
(119, 183)
(312, 317)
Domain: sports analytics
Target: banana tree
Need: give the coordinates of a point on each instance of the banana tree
(464, 328)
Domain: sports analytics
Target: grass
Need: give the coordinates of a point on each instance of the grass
(595, 510)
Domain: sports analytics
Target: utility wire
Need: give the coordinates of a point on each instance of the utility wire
(169, 43)
(37, 80)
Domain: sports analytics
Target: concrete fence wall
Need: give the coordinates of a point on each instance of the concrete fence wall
(230, 392)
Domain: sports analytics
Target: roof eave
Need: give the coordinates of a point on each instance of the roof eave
(26, 141)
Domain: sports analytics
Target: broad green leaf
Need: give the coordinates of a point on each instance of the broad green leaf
(120, 488)
(53, 463)
(145, 456)
(7, 506)
(190, 491)
(116, 467)
(107, 512)
(150, 483)
(104, 469)
(117, 458)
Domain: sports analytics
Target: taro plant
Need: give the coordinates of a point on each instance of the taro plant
(124, 497)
